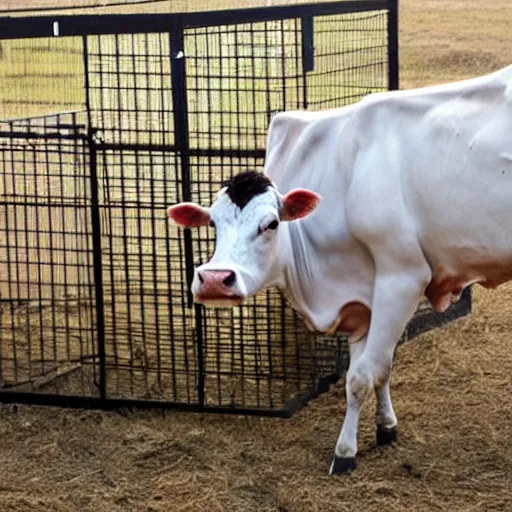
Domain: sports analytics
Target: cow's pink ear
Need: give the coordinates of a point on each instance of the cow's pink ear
(189, 215)
(299, 203)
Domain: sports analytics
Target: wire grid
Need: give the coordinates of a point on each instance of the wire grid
(149, 330)
(266, 355)
(351, 59)
(47, 316)
(238, 76)
(130, 88)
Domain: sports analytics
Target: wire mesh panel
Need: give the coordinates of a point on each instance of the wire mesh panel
(260, 355)
(94, 281)
(129, 88)
(238, 76)
(149, 330)
(47, 319)
(350, 59)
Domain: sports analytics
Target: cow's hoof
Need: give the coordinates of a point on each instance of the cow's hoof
(386, 436)
(342, 465)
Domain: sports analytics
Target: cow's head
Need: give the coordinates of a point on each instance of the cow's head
(247, 215)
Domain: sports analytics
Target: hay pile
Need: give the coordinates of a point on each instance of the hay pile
(451, 392)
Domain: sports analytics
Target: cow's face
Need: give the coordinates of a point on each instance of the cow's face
(247, 215)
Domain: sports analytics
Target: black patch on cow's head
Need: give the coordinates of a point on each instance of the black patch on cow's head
(246, 185)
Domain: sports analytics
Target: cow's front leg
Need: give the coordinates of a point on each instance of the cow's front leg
(346, 447)
(396, 297)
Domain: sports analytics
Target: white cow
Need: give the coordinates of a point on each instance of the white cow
(416, 198)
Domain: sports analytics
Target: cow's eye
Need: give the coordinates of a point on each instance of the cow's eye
(265, 227)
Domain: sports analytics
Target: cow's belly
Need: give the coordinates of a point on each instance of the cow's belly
(471, 245)
(467, 241)
(447, 284)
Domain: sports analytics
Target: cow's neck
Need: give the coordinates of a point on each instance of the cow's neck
(322, 267)
(284, 255)
(290, 270)
(318, 275)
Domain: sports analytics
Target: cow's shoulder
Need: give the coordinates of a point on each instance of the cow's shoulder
(289, 126)
(284, 128)
(291, 135)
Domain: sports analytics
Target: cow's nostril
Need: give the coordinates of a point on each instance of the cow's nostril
(229, 280)
(201, 278)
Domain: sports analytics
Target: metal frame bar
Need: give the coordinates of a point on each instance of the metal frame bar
(393, 50)
(98, 266)
(96, 234)
(181, 128)
(81, 402)
(101, 24)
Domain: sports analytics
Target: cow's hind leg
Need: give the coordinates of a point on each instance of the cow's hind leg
(346, 446)
(385, 418)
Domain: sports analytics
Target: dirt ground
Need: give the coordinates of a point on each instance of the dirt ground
(451, 390)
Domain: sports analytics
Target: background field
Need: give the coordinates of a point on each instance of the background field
(451, 390)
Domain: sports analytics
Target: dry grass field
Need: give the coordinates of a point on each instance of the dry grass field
(451, 390)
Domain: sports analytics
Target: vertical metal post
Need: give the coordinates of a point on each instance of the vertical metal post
(97, 260)
(393, 57)
(308, 53)
(181, 130)
(96, 232)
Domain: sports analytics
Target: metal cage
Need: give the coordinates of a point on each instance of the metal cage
(108, 120)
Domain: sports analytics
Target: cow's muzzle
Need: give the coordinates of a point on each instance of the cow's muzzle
(216, 287)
